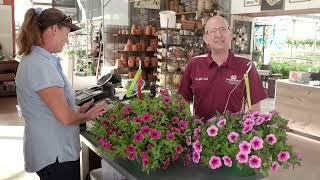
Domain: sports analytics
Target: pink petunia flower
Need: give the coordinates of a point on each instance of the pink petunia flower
(158, 114)
(183, 124)
(233, 136)
(144, 155)
(267, 117)
(138, 120)
(132, 155)
(247, 129)
(147, 117)
(275, 166)
(188, 141)
(248, 122)
(256, 143)
(102, 140)
(197, 131)
(242, 158)
(137, 137)
(212, 131)
(145, 162)
(197, 146)
(126, 109)
(170, 135)
(245, 147)
(166, 99)
(105, 123)
(256, 114)
(215, 162)
(130, 148)
(155, 134)
(186, 162)
(176, 156)
(196, 157)
(283, 156)
(145, 129)
(227, 161)
(164, 92)
(221, 123)
(255, 162)
(107, 145)
(247, 116)
(271, 138)
(175, 119)
(259, 120)
(179, 149)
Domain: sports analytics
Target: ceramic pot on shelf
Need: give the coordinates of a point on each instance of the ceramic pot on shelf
(146, 61)
(153, 30)
(142, 45)
(134, 47)
(154, 62)
(138, 61)
(131, 61)
(177, 77)
(148, 30)
(133, 29)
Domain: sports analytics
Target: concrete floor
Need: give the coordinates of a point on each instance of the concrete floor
(11, 143)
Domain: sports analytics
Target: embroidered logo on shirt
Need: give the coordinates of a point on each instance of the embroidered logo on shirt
(232, 80)
(202, 79)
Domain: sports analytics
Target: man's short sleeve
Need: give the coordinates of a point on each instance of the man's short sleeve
(43, 74)
(257, 90)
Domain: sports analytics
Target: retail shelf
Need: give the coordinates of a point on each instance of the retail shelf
(134, 35)
(186, 13)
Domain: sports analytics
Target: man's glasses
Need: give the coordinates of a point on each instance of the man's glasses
(221, 30)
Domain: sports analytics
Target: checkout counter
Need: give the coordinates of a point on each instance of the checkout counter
(299, 103)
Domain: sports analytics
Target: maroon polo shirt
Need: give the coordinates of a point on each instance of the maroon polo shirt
(208, 85)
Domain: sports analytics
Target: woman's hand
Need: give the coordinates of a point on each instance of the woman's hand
(97, 110)
(84, 108)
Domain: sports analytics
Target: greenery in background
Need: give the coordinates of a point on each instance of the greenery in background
(284, 67)
(303, 42)
(77, 53)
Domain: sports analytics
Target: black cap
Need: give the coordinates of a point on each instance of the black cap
(52, 16)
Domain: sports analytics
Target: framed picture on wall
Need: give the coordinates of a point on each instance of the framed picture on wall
(294, 1)
(272, 5)
(248, 3)
(242, 37)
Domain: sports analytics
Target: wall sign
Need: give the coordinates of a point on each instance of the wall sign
(148, 4)
(248, 3)
(294, 1)
(242, 37)
(272, 5)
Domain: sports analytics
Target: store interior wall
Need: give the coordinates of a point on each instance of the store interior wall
(237, 7)
(6, 39)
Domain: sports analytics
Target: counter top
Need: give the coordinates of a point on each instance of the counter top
(298, 84)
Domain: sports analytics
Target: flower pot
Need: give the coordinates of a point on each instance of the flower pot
(135, 165)
(131, 61)
(154, 62)
(146, 61)
(244, 172)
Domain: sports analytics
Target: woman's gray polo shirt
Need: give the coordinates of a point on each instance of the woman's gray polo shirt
(45, 137)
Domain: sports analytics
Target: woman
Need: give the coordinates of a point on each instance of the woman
(47, 100)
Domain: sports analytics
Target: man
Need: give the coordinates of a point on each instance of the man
(214, 82)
